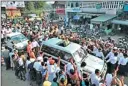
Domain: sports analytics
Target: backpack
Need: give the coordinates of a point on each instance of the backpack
(30, 66)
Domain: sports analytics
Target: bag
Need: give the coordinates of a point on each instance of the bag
(30, 66)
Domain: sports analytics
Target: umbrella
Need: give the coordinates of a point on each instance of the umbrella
(76, 17)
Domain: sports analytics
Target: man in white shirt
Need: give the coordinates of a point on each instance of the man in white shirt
(37, 65)
(40, 57)
(34, 43)
(21, 63)
(108, 79)
(120, 54)
(110, 59)
(95, 78)
(122, 65)
(95, 50)
(100, 54)
(68, 67)
(112, 62)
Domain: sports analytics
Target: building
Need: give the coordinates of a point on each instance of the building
(59, 7)
(12, 8)
(101, 12)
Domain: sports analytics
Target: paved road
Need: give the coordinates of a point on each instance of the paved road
(9, 79)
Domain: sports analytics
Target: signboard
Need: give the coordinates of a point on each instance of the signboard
(98, 6)
(75, 9)
(60, 11)
(125, 7)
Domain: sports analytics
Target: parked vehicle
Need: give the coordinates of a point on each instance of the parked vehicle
(17, 40)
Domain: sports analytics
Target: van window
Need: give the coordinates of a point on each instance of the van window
(56, 52)
(49, 50)
(67, 56)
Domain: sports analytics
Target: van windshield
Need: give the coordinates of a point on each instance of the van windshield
(80, 54)
(18, 38)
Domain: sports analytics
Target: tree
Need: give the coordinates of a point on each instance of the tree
(39, 4)
(29, 5)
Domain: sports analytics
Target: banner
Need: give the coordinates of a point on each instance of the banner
(13, 13)
(60, 11)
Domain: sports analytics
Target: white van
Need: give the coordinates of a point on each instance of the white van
(19, 40)
(54, 47)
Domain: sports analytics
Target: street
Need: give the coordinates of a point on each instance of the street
(9, 78)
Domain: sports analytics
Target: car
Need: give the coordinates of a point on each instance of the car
(55, 47)
(17, 39)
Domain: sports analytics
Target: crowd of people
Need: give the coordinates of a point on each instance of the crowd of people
(47, 71)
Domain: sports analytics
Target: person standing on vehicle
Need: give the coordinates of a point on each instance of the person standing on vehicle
(5, 55)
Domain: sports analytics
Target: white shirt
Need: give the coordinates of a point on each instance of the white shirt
(21, 62)
(40, 58)
(37, 66)
(68, 67)
(51, 69)
(119, 56)
(35, 44)
(57, 69)
(112, 60)
(110, 54)
(27, 63)
(100, 54)
(108, 79)
(95, 79)
(95, 50)
(123, 61)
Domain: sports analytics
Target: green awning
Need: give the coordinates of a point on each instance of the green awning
(103, 18)
(121, 22)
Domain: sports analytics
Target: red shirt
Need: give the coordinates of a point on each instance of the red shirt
(29, 48)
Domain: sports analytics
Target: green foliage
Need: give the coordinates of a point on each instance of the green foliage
(34, 7)
(30, 5)
(39, 4)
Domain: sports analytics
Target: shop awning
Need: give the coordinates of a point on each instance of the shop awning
(102, 18)
(122, 22)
